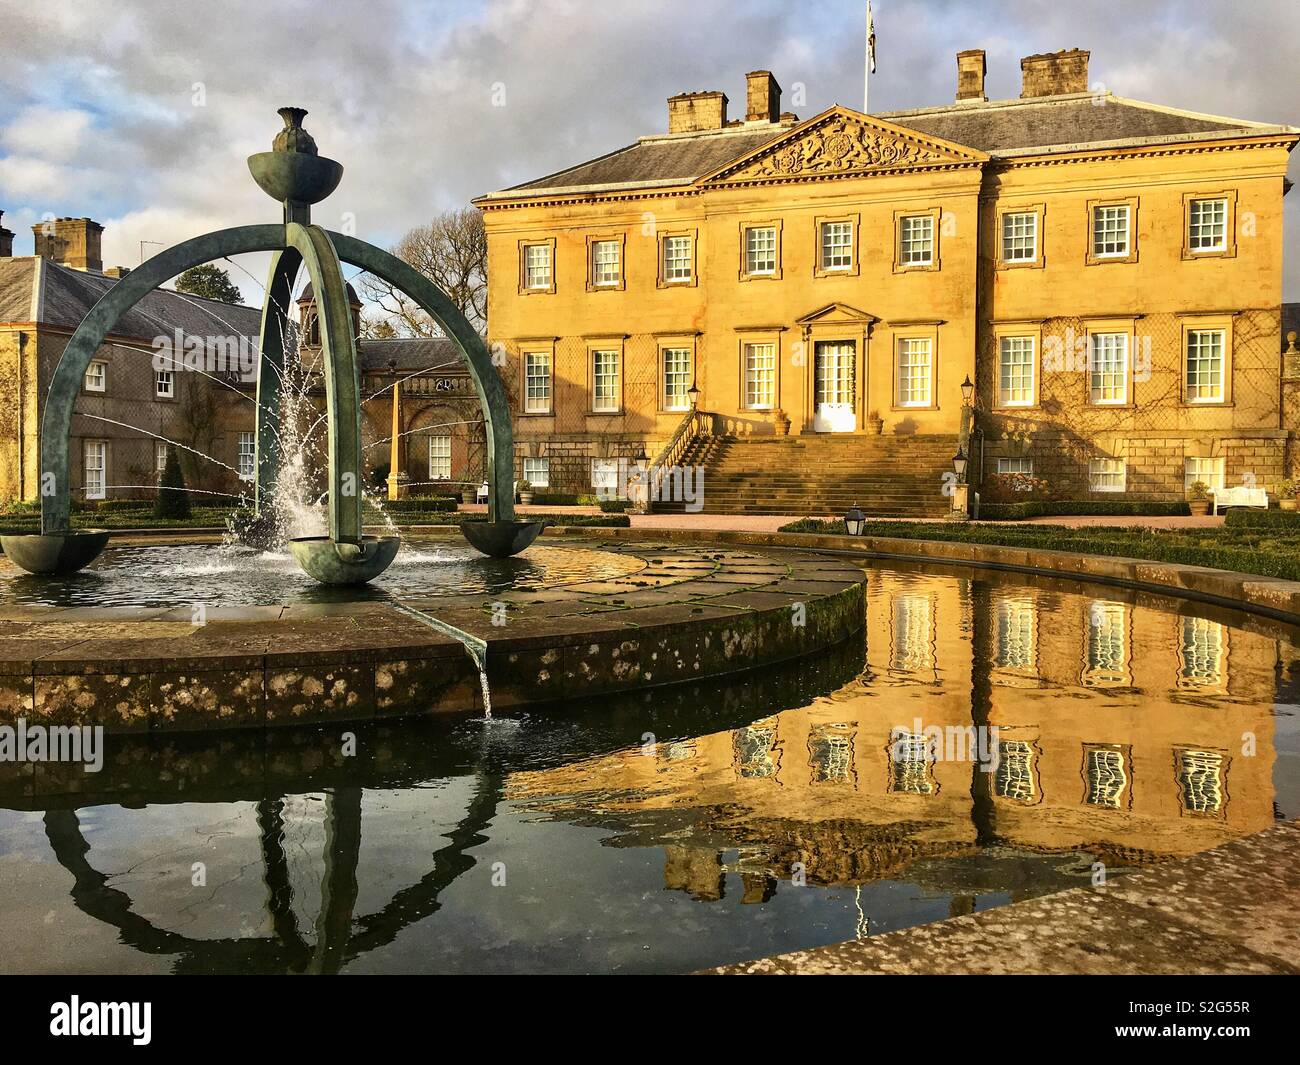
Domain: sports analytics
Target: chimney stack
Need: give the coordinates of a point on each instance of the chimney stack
(762, 97)
(6, 239)
(691, 112)
(1054, 73)
(71, 242)
(970, 75)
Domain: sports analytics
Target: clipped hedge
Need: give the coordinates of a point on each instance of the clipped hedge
(417, 504)
(614, 506)
(1249, 518)
(564, 499)
(1061, 508)
(1269, 552)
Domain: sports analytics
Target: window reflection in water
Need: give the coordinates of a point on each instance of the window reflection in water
(1106, 664)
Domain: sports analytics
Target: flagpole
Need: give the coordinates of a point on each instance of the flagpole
(866, 66)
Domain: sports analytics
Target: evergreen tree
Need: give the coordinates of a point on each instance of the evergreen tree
(173, 501)
(209, 281)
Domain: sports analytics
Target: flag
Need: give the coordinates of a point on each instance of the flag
(871, 39)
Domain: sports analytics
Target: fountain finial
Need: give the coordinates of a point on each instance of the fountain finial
(293, 138)
(294, 172)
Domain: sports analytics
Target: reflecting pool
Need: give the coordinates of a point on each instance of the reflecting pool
(684, 827)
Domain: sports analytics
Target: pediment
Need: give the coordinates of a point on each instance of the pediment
(836, 313)
(841, 142)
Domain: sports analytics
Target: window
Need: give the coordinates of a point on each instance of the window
(96, 376)
(760, 376)
(1108, 368)
(677, 378)
(164, 385)
(537, 472)
(537, 382)
(1103, 770)
(1208, 471)
(1016, 465)
(96, 469)
(914, 355)
(1201, 654)
(247, 456)
(913, 645)
(1205, 361)
(1110, 231)
(677, 259)
(1207, 225)
(830, 753)
(604, 382)
(837, 245)
(835, 370)
(439, 458)
(604, 475)
(1014, 779)
(916, 240)
(754, 750)
(605, 266)
(537, 266)
(1107, 652)
(1019, 236)
(1016, 634)
(1200, 781)
(1107, 475)
(1016, 371)
(909, 758)
(760, 251)
(159, 457)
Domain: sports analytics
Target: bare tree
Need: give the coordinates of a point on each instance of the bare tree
(451, 251)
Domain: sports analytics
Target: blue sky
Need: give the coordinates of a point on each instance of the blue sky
(100, 114)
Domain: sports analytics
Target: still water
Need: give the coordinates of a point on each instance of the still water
(686, 827)
(231, 575)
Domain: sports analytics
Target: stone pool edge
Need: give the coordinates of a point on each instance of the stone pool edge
(1270, 597)
(146, 670)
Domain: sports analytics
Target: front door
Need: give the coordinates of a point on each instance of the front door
(834, 363)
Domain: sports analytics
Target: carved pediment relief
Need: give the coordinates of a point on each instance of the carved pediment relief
(841, 144)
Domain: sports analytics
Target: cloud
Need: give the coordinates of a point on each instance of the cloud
(402, 92)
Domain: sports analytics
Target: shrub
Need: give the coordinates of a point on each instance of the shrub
(418, 504)
(1013, 488)
(614, 506)
(564, 499)
(1045, 508)
(173, 503)
(1249, 518)
(117, 506)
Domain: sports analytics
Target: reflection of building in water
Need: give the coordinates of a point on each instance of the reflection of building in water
(1120, 721)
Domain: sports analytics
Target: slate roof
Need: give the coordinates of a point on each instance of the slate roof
(655, 159)
(1050, 121)
(66, 295)
(995, 127)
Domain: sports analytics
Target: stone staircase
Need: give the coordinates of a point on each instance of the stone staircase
(814, 474)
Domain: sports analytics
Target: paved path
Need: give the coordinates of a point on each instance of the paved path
(1228, 910)
(772, 522)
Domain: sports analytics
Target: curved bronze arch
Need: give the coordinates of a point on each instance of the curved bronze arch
(321, 251)
(491, 393)
(65, 385)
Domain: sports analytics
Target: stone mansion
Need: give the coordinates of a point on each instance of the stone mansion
(797, 304)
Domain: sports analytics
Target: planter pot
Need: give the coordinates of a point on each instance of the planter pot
(876, 426)
(1199, 507)
(526, 499)
(780, 423)
(1287, 503)
(468, 497)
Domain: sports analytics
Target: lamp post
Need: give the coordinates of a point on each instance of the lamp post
(693, 394)
(960, 510)
(854, 521)
(967, 392)
(396, 472)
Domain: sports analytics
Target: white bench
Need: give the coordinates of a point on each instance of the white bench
(1240, 496)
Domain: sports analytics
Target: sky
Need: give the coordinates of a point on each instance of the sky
(140, 113)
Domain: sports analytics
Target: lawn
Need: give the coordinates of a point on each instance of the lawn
(1262, 542)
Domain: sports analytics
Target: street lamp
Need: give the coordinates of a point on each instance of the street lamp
(967, 391)
(854, 521)
(959, 465)
(693, 393)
